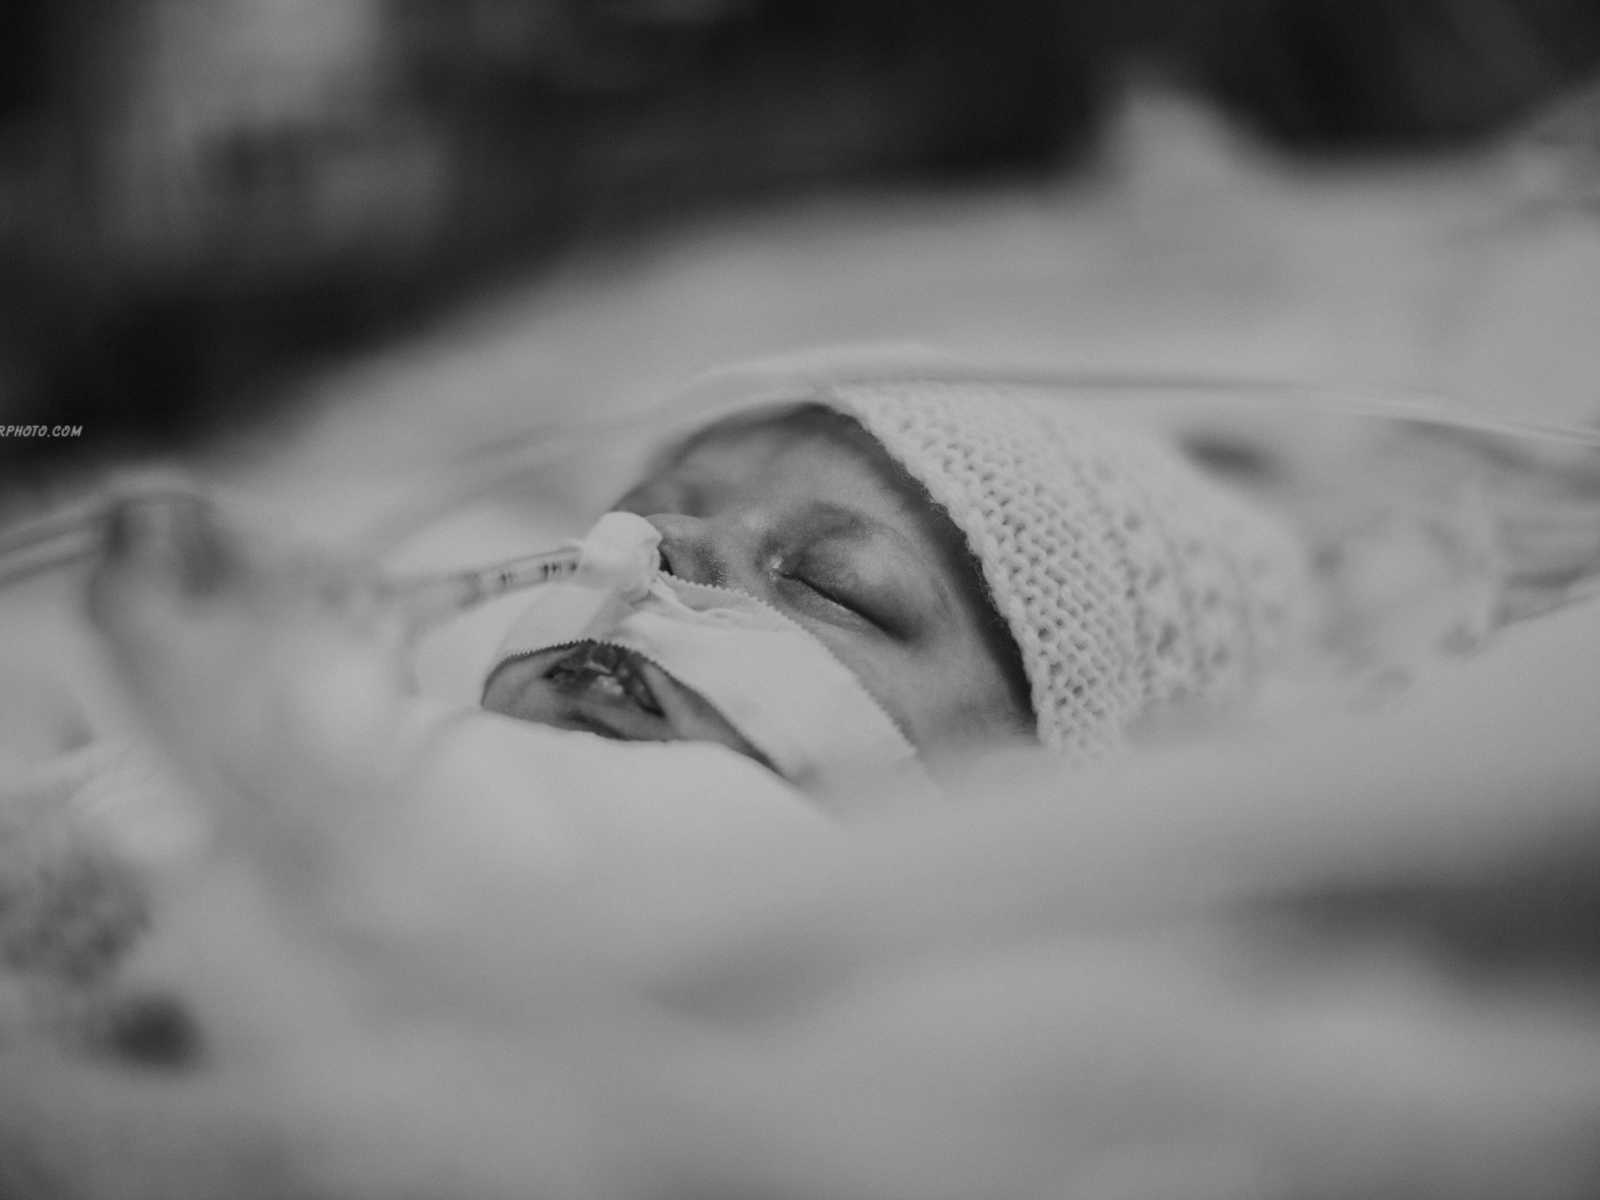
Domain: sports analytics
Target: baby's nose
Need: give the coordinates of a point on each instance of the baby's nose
(698, 550)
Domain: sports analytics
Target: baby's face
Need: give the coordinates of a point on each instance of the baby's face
(804, 512)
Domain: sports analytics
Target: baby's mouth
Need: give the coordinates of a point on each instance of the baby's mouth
(605, 672)
(603, 688)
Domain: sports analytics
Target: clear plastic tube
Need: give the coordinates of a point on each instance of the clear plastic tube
(77, 535)
(425, 601)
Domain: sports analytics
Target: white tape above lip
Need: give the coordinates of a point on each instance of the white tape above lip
(775, 683)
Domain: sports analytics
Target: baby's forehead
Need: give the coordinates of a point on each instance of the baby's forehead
(792, 448)
(747, 446)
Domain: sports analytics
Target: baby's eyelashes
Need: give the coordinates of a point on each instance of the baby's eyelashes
(814, 595)
(843, 601)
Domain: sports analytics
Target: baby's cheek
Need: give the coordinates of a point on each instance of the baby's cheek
(896, 679)
(963, 702)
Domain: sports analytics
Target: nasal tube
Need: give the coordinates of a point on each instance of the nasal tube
(621, 553)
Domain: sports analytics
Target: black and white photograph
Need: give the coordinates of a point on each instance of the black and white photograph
(799, 600)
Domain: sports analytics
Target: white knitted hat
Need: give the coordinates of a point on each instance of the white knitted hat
(1128, 579)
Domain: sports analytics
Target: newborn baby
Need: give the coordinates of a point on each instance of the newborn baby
(391, 1001)
(851, 583)
(988, 565)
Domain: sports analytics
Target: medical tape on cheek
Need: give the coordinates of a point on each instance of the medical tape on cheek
(775, 683)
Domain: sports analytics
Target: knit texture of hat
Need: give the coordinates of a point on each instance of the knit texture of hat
(1128, 579)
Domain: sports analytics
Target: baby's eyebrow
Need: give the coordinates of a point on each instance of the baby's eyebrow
(840, 519)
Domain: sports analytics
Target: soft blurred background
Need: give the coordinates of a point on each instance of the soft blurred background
(384, 232)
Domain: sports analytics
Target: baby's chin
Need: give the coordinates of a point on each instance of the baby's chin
(612, 692)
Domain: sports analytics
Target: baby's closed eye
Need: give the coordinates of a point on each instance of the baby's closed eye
(836, 579)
